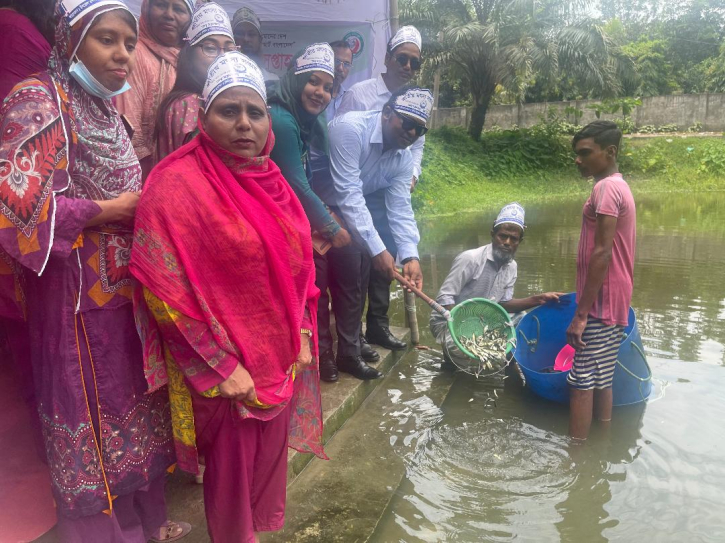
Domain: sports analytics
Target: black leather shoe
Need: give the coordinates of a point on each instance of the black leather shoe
(383, 337)
(356, 366)
(367, 352)
(328, 368)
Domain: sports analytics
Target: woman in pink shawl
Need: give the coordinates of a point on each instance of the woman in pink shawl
(163, 24)
(228, 314)
(68, 191)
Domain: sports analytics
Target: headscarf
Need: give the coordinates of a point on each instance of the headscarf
(239, 258)
(313, 128)
(75, 135)
(169, 54)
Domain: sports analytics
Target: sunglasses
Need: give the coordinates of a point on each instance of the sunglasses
(213, 51)
(409, 125)
(404, 60)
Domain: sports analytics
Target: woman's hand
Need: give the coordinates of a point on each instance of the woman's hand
(119, 210)
(304, 359)
(239, 386)
(126, 205)
(341, 239)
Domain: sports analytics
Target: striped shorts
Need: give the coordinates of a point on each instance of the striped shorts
(593, 366)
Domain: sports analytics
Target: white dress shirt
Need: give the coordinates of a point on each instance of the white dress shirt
(372, 95)
(360, 167)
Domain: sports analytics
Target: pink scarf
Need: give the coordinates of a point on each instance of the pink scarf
(169, 54)
(224, 240)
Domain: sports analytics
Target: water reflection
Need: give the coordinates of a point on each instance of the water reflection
(679, 292)
(482, 473)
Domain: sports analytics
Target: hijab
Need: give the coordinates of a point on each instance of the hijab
(240, 258)
(169, 54)
(313, 128)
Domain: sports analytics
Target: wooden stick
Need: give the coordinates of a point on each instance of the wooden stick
(420, 294)
(411, 316)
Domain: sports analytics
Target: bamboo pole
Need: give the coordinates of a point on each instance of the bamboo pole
(394, 18)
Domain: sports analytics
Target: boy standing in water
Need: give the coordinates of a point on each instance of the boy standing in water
(604, 280)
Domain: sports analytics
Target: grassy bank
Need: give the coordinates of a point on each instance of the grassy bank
(460, 174)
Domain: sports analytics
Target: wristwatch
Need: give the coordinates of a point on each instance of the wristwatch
(409, 259)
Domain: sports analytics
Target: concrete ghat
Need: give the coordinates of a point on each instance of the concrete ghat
(340, 401)
(342, 500)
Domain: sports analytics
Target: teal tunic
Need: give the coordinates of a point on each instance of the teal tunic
(291, 154)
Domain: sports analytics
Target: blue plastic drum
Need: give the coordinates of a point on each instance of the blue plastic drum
(541, 334)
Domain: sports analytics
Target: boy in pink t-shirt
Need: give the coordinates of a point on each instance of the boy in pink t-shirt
(604, 280)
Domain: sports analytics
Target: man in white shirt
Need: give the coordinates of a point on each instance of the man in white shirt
(487, 272)
(369, 155)
(247, 30)
(343, 65)
(402, 62)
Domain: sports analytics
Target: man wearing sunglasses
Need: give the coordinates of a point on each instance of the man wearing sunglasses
(248, 36)
(370, 155)
(402, 62)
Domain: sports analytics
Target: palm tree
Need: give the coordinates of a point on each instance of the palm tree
(510, 43)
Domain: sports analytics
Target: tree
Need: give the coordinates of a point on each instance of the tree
(511, 43)
(655, 74)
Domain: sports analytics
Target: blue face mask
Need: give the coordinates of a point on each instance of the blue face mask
(90, 84)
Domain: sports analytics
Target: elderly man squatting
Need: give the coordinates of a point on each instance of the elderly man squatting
(487, 272)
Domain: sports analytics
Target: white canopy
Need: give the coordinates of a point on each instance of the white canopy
(289, 25)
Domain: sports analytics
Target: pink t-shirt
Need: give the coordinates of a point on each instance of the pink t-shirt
(610, 196)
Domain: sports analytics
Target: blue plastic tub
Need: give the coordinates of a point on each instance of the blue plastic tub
(541, 334)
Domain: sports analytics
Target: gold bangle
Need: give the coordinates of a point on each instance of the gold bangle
(306, 331)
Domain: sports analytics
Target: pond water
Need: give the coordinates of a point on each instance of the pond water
(477, 472)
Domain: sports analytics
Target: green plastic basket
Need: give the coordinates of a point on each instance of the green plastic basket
(470, 317)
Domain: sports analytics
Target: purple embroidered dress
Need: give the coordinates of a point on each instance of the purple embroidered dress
(60, 149)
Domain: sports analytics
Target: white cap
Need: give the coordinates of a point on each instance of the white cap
(209, 20)
(246, 15)
(407, 34)
(229, 70)
(73, 10)
(416, 103)
(316, 57)
(512, 213)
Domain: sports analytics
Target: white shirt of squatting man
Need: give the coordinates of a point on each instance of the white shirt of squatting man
(474, 274)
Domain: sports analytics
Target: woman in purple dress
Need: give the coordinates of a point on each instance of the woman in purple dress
(69, 183)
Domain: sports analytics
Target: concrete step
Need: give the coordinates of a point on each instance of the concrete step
(342, 500)
(340, 401)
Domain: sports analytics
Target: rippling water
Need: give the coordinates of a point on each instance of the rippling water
(483, 472)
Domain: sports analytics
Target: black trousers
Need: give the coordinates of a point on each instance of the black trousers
(345, 273)
(378, 290)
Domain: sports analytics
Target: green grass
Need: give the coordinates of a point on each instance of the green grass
(461, 175)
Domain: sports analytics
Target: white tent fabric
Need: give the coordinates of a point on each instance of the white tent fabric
(289, 25)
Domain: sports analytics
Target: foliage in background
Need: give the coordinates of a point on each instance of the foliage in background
(502, 44)
(669, 46)
(536, 164)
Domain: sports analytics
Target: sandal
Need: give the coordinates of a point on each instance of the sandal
(171, 531)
